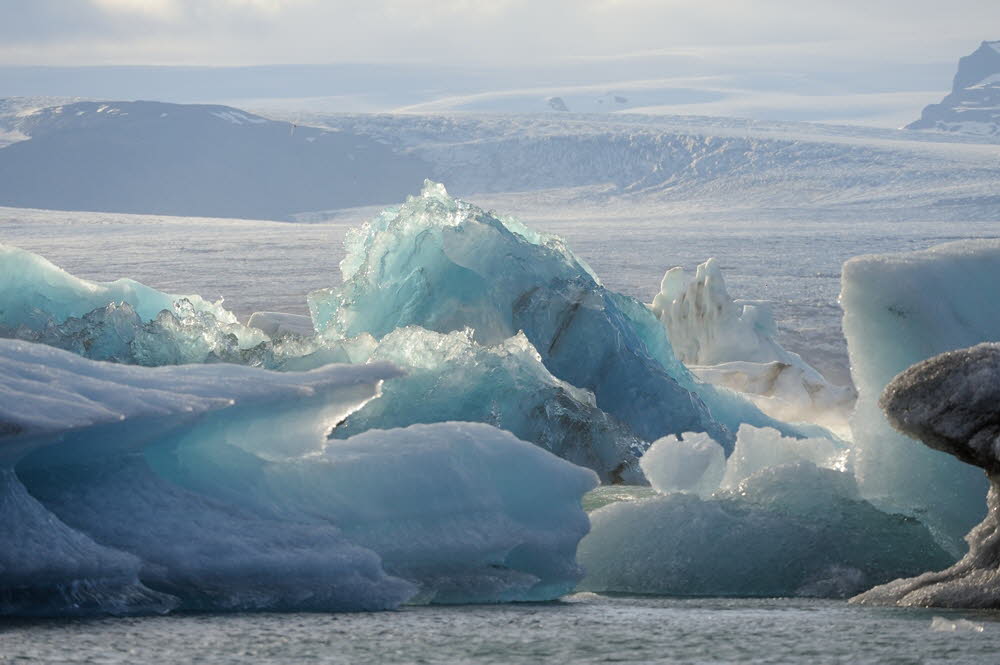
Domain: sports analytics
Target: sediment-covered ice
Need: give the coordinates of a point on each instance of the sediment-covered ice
(445, 265)
(732, 344)
(784, 520)
(951, 402)
(900, 309)
(130, 489)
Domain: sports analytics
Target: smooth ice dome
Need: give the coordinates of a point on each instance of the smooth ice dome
(951, 402)
(694, 464)
(900, 309)
(214, 487)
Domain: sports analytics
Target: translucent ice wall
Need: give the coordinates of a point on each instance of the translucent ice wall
(900, 309)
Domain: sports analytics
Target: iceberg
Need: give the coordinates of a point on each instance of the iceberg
(215, 487)
(732, 344)
(783, 519)
(121, 321)
(579, 370)
(951, 402)
(694, 464)
(451, 377)
(900, 309)
(35, 293)
(445, 265)
(72, 423)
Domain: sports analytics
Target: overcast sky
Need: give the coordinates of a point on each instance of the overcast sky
(791, 33)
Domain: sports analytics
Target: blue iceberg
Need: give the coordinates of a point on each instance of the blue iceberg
(782, 518)
(451, 377)
(901, 309)
(445, 265)
(126, 489)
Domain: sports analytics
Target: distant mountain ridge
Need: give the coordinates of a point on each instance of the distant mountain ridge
(220, 161)
(194, 159)
(974, 103)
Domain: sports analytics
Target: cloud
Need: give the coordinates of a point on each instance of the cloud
(486, 31)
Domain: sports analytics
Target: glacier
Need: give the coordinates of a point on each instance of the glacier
(951, 402)
(782, 518)
(900, 309)
(214, 487)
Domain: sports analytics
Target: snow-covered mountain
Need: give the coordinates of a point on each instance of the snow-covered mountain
(152, 157)
(194, 160)
(974, 103)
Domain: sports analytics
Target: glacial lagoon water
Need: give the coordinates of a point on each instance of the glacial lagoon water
(583, 628)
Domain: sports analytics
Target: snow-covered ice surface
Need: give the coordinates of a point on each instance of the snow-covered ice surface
(214, 487)
(900, 309)
(951, 403)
